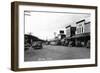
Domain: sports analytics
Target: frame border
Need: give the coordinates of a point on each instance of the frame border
(15, 28)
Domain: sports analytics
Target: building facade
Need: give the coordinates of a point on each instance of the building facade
(82, 27)
(70, 31)
(82, 36)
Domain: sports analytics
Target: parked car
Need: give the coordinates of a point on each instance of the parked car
(37, 45)
(52, 43)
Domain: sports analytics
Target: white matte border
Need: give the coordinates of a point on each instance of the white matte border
(33, 64)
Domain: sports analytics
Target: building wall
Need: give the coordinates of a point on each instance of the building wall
(80, 27)
(87, 27)
(68, 32)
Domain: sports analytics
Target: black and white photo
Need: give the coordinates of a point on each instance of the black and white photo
(56, 35)
(52, 36)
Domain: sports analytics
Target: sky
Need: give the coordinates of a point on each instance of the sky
(45, 24)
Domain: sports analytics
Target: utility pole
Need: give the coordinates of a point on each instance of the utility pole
(27, 13)
(55, 34)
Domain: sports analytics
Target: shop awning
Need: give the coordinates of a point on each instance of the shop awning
(81, 35)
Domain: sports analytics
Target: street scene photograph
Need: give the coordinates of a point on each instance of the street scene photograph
(50, 35)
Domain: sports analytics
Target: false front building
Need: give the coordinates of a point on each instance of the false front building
(70, 31)
(82, 34)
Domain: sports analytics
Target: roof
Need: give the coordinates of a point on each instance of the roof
(34, 38)
(79, 35)
(80, 21)
(68, 26)
(87, 23)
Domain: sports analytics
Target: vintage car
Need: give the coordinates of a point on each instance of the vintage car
(37, 45)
